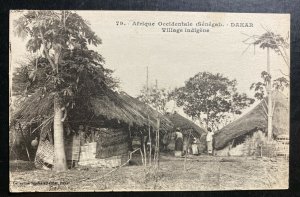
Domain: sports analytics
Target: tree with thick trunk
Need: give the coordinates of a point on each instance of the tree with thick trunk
(59, 148)
(66, 70)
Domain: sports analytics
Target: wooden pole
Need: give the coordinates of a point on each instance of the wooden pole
(145, 152)
(269, 91)
(150, 143)
(149, 130)
(186, 150)
(158, 144)
(156, 154)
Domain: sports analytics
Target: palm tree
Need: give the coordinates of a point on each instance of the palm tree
(278, 44)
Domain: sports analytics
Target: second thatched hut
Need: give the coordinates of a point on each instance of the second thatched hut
(252, 127)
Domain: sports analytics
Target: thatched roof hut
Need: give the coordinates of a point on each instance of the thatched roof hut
(106, 105)
(116, 116)
(185, 125)
(254, 120)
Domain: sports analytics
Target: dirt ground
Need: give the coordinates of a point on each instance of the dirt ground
(202, 173)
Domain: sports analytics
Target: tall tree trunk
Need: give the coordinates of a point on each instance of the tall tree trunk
(60, 163)
(269, 92)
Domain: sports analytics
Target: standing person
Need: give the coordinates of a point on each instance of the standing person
(178, 143)
(195, 149)
(209, 141)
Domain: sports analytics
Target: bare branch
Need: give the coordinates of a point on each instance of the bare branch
(264, 104)
(246, 49)
(265, 28)
(287, 75)
(284, 58)
(265, 110)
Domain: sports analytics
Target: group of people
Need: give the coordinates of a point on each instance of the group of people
(179, 143)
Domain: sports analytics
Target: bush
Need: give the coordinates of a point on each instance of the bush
(253, 143)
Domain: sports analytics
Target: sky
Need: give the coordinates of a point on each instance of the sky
(172, 58)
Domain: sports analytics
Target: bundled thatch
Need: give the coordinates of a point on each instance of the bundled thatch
(254, 120)
(185, 125)
(141, 109)
(34, 106)
(106, 109)
(106, 104)
(112, 106)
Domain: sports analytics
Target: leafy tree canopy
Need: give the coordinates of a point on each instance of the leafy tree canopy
(155, 97)
(260, 88)
(210, 97)
(62, 64)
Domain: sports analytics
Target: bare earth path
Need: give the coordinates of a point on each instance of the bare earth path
(203, 173)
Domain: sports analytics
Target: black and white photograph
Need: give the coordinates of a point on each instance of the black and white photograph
(148, 101)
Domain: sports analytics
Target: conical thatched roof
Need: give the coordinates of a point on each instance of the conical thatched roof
(256, 119)
(185, 125)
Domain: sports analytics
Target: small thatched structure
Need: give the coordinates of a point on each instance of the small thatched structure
(255, 120)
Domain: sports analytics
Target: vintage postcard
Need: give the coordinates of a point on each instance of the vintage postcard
(148, 101)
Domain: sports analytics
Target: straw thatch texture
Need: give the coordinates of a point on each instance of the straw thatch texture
(36, 105)
(143, 110)
(256, 119)
(113, 106)
(105, 104)
(185, 125)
